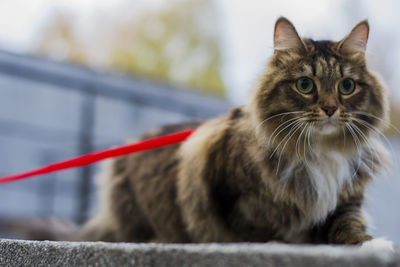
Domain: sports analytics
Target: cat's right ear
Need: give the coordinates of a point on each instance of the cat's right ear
(286, 36)
(356, 40)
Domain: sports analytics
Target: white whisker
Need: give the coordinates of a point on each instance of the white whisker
(358, 145)
(283, 148)
(344, 137)
(296, 123)
(277, 115)
(364, 137)
(375, 117)
(307, 135)
(377, 131)
(298, 139)
(279, 126)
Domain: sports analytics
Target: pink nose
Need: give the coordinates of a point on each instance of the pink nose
(329, 110)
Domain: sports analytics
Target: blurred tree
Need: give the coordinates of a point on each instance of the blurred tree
(60, 42)
(177, 43)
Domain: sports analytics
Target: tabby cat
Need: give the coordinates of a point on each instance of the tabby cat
(291, 165)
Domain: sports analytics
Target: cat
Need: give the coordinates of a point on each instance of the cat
(291, 165)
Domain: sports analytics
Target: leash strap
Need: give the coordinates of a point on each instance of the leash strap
(101, 155)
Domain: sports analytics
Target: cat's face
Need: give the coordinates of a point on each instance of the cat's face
(319, 90)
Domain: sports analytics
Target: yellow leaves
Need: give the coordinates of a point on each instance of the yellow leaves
(172, 45)
(175, 43)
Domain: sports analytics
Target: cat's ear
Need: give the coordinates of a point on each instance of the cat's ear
(356, 40)
(286, 36)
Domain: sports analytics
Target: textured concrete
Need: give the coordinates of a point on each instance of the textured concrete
(33, 253)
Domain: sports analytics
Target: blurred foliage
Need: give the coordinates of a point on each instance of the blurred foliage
(176, 43)
(59, 41)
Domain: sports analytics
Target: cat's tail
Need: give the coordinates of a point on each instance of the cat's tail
(51, 228)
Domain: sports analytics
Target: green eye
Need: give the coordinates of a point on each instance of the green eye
(305, 85)
(346, 86)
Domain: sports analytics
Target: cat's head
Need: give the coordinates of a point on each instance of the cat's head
(319, 90)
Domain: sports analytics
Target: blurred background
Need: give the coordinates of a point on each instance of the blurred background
(82, 75)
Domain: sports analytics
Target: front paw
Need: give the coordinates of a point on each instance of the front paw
(378, 244)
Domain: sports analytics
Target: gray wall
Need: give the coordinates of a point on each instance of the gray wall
(50, 112)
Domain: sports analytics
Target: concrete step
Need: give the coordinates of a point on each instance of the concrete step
(47, 253)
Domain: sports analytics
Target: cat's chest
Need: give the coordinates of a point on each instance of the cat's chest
(319, 181)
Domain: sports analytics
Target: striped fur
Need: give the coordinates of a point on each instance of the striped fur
(273, 169)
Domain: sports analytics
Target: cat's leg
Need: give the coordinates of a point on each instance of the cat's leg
(119, 218)
(347, 226)
(201, 222)
(199, 214)
(98, 228)
(102, 226)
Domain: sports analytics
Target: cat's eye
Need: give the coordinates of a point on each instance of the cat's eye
(346, 86)
(305, 85)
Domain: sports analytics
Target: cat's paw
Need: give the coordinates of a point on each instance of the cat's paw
(378, 244)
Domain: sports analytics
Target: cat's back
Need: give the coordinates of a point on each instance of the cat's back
(155, 161)
(150, 170)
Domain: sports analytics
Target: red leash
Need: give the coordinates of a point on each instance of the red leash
(100, 155)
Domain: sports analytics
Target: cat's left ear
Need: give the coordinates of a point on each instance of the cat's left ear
(356, 40)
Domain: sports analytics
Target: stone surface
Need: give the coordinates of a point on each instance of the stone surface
(35, 253)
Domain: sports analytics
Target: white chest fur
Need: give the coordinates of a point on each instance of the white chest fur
(325, 176)
(328, 174)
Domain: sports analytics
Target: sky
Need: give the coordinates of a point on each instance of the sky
(245, 27)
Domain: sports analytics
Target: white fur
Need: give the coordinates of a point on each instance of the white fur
(329, 173)
(378, 244)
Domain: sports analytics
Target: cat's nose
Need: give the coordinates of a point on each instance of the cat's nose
(329, 110)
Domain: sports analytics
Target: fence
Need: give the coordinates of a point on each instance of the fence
(51, 111)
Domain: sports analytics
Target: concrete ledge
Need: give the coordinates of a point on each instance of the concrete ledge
(36, 253)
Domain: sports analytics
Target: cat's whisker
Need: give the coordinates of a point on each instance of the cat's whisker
(298, 139)
(375, 117)
(375, 129)
(344, 137)
(360, 132)
(379, 132)
(285, 113)
(288, 139)
(277, 115)
(296, 123)
(358, 145)
(364, 137)
(307, 136)
(273, 136)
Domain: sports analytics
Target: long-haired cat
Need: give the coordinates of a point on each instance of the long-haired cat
(291, 165)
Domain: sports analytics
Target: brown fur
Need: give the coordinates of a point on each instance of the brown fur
(237, 179)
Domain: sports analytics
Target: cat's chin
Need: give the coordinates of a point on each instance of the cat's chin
(328, 128)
